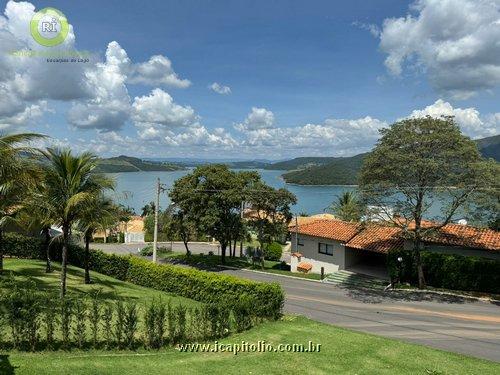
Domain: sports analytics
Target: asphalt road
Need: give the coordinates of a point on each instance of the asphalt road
(450, 323)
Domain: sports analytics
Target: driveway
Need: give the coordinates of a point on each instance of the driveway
(444, 322)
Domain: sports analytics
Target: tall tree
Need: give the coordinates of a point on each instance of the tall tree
(18, 175)
(270, 211)
(418, 163)
(99, 213)
(70, 187)
(180, 226)
(347, 207)
(211, 195)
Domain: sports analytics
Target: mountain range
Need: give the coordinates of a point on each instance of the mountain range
(301, 170)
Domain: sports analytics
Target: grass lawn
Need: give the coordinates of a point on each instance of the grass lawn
(342, 351)
(214, 261)
(111, 288)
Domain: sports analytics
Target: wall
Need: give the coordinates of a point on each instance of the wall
(310, 254)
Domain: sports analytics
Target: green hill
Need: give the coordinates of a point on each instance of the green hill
(129, 164)
(300, 163)
(340, 171)
(490, 147)
(345, 171)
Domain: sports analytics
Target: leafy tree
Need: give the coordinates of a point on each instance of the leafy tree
(211, 196)
(148, 209)
(180, 226)
(418, 163)
(347, 207)
(70, 187)
(18, 175)
(99, 213)
(270, 211)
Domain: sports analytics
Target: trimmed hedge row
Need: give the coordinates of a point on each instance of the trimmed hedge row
(266, 299)
(449, 271)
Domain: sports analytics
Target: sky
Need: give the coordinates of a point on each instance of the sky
(248, 80)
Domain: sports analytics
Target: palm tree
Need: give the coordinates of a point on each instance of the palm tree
(70, 186)
(18, 175)
(347, 207)
(98, 214)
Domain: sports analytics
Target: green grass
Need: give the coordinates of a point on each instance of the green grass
(342, 352)
(111, 288)
(214, 261)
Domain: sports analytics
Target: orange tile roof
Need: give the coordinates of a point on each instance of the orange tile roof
(337, 230)
(381, 239)
(304, 266)
(377, 238)
(465, 235)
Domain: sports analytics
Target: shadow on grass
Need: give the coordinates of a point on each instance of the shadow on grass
(6, 367)
(50, 282)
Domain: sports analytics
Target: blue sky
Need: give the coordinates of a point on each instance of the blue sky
(305, 78)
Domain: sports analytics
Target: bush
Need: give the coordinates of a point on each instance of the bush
(449, 271)
(266, 298)
(148, 250)
(273, 251)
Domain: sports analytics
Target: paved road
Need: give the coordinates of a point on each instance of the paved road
(447, 323)
(121, 248)
(443, 322)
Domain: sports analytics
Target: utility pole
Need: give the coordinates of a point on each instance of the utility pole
(241, 239)
(296, 234)
(157, 205)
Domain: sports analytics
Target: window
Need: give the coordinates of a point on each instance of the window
(324, 248)
(300, 242)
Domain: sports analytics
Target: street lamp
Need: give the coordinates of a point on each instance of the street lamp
(400, 268)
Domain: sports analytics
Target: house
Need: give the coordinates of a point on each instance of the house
(338, 245)
(133, 230)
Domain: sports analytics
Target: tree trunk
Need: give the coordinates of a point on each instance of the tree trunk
(223, 247)
(241, 249)
(420, 270)
(46, 235)
(64, 262)
(1, 249)
(86, 258)
(234, 248)
(188, 252)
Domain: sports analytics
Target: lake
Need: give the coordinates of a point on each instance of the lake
(136, 189)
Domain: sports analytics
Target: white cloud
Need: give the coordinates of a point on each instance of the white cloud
(157, 71)
(97, 89)
(159, 111)
(333, 137)
(469, 119)
(259, 118)
(220, 89)
(199, 136)
(109, 106)
(454, 41)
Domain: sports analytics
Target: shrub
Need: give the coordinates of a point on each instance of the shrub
(266, 298)
(107, 319)
(80, 310)
(119, 330)
(95, 315)
(50, 320)
(66, 316)
(155, 318)
(449, 271)
(273, 251)
(130, 323)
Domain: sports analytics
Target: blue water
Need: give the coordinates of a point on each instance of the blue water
(136, 189)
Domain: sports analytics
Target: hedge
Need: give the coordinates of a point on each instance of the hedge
(267, 299)
(449, 271)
